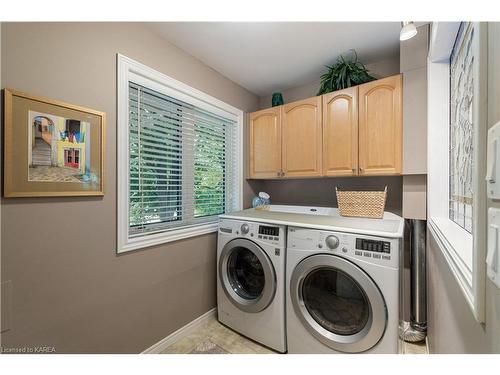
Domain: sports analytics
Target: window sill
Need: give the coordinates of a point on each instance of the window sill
(147, 240)
(456, 245)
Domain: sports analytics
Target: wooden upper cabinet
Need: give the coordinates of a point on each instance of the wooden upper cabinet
(265, 143)
(340, 133)
(355, 131)
(301, 131)
(380, 126)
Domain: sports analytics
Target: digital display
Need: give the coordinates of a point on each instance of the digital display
(269, 231)
(371, 245)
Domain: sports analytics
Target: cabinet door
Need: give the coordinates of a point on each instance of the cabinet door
(301, 129)
(340, 133)
(380, 127)
(265, 143)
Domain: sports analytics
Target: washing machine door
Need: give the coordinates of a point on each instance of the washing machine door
(247, 275)
(338, 303)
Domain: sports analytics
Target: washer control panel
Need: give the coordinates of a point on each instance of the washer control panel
(274, 234)
(383, 251)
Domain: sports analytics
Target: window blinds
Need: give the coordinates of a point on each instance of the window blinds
(182, 163)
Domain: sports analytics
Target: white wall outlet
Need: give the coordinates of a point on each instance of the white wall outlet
(493, 168)
(493, 257)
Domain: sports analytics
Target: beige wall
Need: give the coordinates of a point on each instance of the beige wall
(413, 58)
(69, 288)
(413, 66)
(379, 69)
(452, 327)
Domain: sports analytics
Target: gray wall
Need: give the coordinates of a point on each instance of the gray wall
(452, 327)
(69, 288)
(321, 191)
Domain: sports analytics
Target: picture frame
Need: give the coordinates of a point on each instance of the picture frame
(51, 148)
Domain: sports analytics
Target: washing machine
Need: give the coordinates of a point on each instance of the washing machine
(251, 280)
(342, 292)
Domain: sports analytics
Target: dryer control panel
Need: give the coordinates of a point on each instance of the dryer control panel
(373, 245)
(377, 250)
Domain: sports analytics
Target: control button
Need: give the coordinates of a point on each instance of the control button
(237, 232)
(245, 228)
(386, 257)
(368, 255)
(332, 242)
(358, 253)
(376, 256)
(265, 237)
(276, 238)
(344, 249)
(260, 236)
(320, 246)
(251, 234)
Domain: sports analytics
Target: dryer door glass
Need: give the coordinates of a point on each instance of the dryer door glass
(336, 301)
(245, 273)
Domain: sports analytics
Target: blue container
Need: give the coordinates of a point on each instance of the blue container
(261, 201)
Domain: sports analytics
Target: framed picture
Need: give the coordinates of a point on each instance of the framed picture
(51, 148)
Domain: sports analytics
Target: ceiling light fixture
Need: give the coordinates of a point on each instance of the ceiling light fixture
(408, 30)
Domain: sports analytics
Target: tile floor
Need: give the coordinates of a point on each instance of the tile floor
(211, 337)
(414, 348)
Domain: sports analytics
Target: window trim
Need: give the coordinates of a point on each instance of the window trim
(128, 69)
(452, 240)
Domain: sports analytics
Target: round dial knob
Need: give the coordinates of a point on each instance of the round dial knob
(332, 242)
(245, 228)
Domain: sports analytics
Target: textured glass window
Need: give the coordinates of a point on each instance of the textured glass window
(461, 127)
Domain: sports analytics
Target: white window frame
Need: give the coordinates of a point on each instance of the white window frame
(130, 70)
(463, 252)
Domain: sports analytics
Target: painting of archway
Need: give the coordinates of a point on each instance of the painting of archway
(58, 149)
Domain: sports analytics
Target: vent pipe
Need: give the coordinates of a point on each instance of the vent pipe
(416, 329)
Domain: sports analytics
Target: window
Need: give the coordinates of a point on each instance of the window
(462, 128)
(457, 88)
(179, 158)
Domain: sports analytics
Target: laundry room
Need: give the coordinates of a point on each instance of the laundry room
(267, 188)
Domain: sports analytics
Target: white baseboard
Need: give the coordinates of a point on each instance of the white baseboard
(179, 334)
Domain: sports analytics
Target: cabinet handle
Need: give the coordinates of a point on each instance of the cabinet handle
(278, 174)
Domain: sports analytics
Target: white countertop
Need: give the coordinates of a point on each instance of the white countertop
(390, 225)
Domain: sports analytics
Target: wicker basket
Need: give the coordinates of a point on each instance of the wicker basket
(361, 203)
